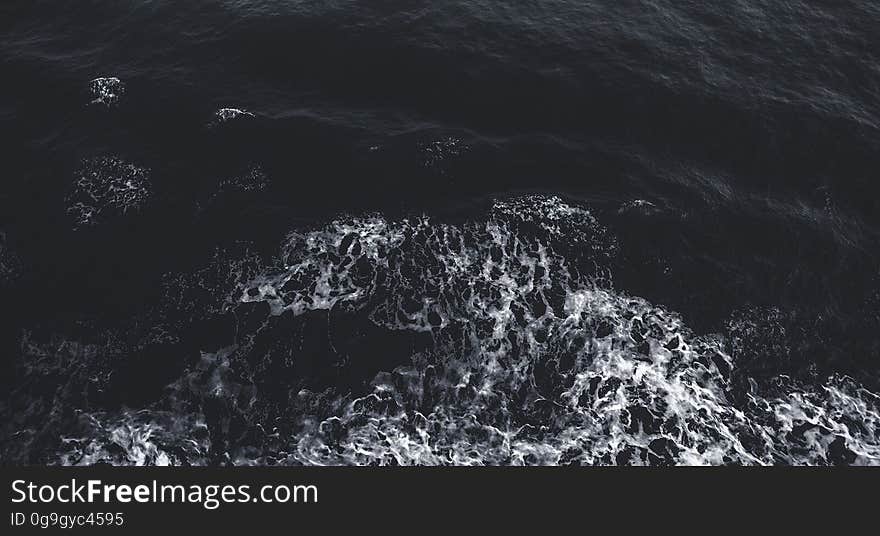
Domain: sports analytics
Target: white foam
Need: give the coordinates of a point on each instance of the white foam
(106, 187)
(224, 115)
(106, 90)
(536, 358)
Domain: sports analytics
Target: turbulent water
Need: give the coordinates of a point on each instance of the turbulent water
(473, 233)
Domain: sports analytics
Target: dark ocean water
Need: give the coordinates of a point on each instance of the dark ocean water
(566, 232)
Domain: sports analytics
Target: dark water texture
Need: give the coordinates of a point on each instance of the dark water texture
(696, 180)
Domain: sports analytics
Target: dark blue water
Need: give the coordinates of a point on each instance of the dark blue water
(459, 233)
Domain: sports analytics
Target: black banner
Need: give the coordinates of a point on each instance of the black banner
(101, 499)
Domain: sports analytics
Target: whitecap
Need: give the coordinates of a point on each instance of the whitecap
(106, 90)
(224, 115)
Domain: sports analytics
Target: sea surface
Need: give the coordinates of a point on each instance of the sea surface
(440, 233)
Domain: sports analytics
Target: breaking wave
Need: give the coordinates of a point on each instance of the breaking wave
(525, 354)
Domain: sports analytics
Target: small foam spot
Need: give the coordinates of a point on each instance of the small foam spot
(436, 153)
(224, 115)
(106, 90)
